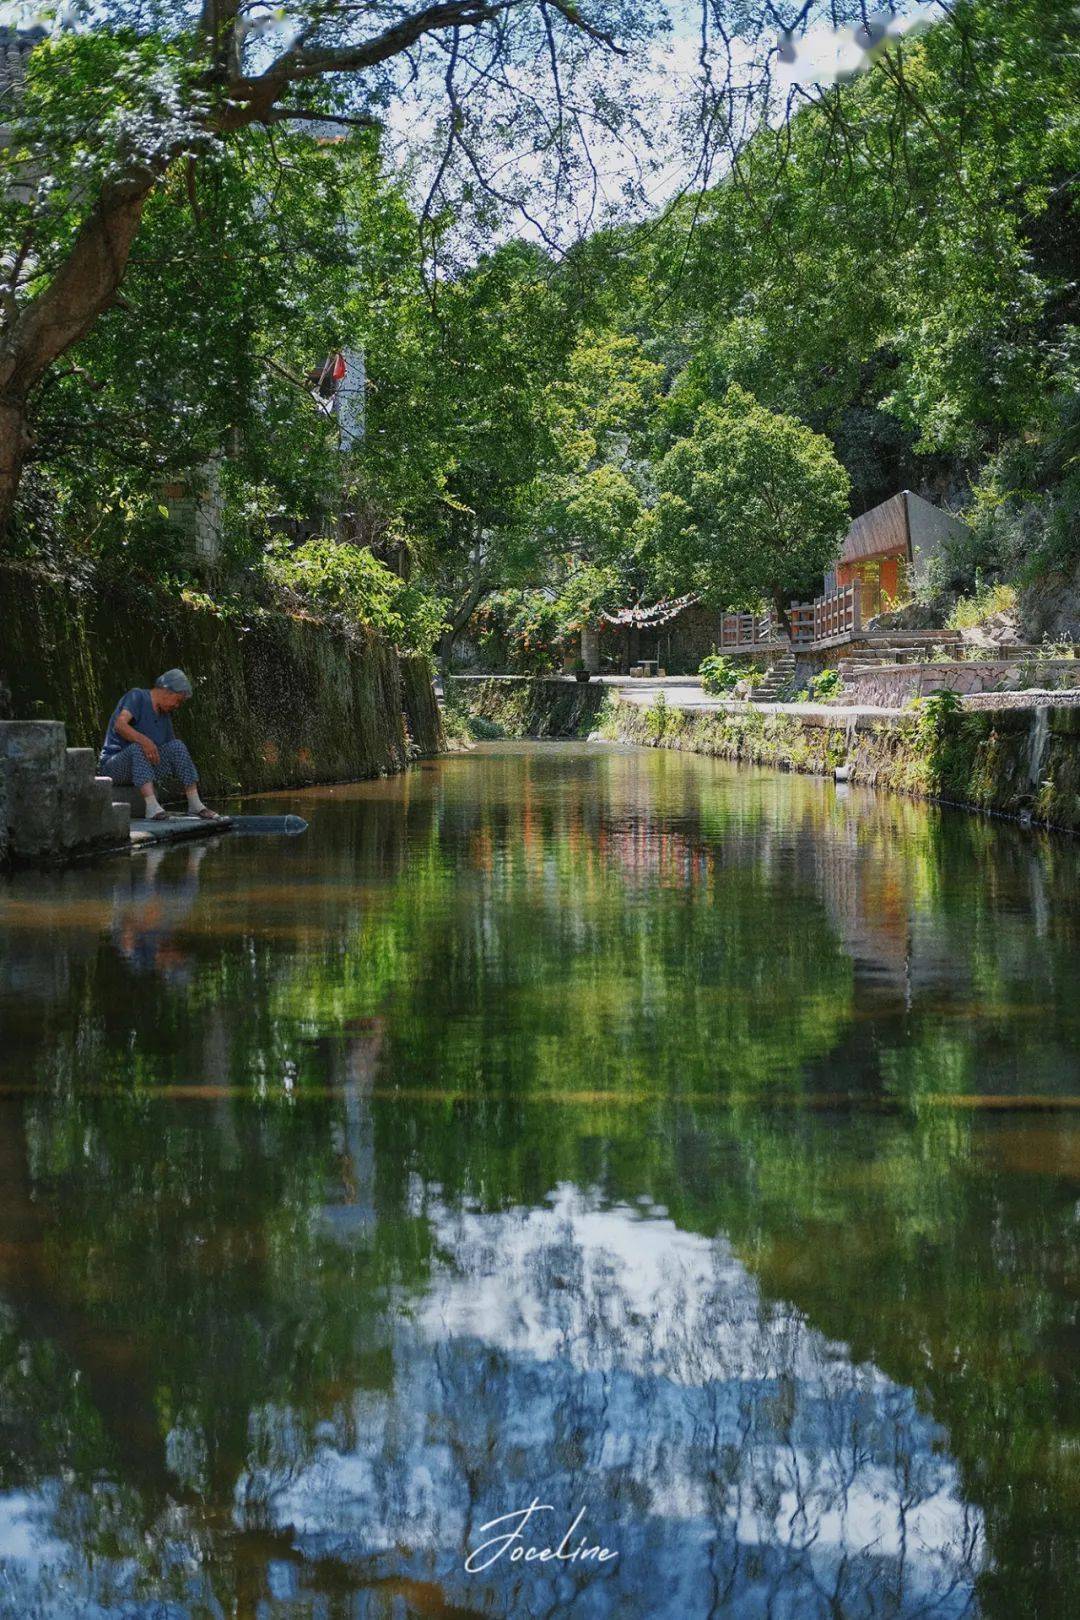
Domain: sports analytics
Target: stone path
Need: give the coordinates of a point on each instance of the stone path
(690, 696)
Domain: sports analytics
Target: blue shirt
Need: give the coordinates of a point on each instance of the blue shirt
(144, 717)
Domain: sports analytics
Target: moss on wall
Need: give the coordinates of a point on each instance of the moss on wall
(530, 706)
(279, 701)
(1012, 761)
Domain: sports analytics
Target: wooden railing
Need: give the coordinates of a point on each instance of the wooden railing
(745, 629)
(838, 614)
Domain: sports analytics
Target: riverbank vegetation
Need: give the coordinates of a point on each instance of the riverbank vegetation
(865, 284)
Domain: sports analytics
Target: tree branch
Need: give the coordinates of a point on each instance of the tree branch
(303, 62)
(280, 115)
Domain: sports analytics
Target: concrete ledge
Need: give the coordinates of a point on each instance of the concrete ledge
(899, 683)
(179, 828)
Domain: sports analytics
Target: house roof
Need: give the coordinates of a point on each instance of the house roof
(905, 523)
(878, 533)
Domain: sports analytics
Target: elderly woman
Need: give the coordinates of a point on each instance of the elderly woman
(140, 749)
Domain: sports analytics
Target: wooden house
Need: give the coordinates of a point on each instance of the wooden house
(889, 549)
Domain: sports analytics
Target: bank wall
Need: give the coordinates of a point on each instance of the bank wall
(1013, 761)
(279, 701)
(894, 685)
(529, 706)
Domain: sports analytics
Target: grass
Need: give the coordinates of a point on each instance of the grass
(988, 600)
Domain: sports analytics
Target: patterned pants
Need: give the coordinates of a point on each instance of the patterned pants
(130, 767)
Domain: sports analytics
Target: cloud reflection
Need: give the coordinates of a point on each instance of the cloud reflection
(603, 1356)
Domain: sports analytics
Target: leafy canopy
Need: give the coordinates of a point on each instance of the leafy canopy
(751, 504)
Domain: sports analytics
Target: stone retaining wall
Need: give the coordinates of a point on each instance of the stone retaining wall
(893, 685)
(1017, 761)
(530, 705)
(279, 701)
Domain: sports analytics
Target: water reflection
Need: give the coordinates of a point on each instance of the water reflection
(592, 1126)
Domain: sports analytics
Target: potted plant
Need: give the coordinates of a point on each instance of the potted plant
(578, 670)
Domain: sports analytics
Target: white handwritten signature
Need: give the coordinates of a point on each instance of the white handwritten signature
(511, 1540)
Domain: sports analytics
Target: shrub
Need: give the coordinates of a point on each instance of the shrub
(349, 581)
(657, 717)
(718, 674)
(934, 714)
(970, 611)
(826, 684)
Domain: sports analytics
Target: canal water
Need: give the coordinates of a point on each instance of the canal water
(687, 1153)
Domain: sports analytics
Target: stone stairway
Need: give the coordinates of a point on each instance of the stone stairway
(779, 679)
(93, 810)
(52, 802)
(901, 647)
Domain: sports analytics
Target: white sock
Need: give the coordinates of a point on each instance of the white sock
(152, 806)
(194, 803)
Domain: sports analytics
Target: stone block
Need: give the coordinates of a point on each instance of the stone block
(89, 819)
(120, 817)
(33, 754)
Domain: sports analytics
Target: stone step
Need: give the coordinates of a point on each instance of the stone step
(89, 816)
(885, 638)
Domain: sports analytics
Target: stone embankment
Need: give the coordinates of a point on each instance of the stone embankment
(1013, 753)
(530, 706)
(991, 753)
(893, 685)
(279, 701)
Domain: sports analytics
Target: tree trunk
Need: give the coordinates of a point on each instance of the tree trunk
(446, 647)
(82, 289)
(458, 621)
(14, 443)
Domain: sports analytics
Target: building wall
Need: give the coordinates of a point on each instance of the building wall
(883, 580)
(930, 529)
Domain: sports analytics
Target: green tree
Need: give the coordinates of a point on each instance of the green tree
(243, 276)
(109, 113)
(500, 339)
(595, 496)
(751, 505)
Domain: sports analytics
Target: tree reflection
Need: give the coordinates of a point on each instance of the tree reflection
(557, 1123)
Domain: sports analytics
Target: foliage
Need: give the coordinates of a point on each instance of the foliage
(934, 716)
(988, 600)
(718, 674)
(883, 282)
(585, 594)
(660, 717)
(349, 581)
(520, 631)
(1025, 514)
(500, 338)
(241, 280)
(826, 684)
(751, 504)
(899, 244)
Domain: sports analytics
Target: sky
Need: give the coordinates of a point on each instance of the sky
(627, 175)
